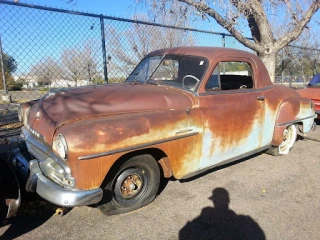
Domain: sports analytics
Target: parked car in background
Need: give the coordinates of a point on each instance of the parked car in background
(10, 197)
(180, 112)
(312, 91)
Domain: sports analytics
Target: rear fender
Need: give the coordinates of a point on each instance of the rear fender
(293, 110)
(287, 112)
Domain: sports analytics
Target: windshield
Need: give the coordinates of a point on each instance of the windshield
(171, 70)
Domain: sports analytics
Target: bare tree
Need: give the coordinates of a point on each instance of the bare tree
(72, 65)
(79, 65)
(89, 64)
(46, 71)
(263, 19)
(128, 47)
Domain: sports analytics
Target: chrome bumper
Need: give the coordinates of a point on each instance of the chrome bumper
(58, 195)
(31, 174)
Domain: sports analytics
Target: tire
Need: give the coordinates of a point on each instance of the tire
(288, 139)
(133, 186)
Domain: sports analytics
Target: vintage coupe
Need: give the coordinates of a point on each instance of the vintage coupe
(180, 112)
(312, 91)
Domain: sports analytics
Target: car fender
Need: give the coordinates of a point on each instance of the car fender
(291, 111)
(95, 144)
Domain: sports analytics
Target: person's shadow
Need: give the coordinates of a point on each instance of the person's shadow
(220, 222)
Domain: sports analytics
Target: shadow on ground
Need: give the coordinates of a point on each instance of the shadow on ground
(220, 222)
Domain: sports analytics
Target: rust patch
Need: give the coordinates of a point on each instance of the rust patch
(122, 132)
(278, 135)
(166, 167)
(230, 119)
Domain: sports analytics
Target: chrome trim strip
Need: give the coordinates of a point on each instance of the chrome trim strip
(266, 88)
(233, 91)
(41, 151)
(184, 131)
(134, 147)
(294, 121)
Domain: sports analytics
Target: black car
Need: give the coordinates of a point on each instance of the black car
(10, 197)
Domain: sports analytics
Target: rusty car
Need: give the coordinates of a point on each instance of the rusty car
(312, 91)
(180, 112)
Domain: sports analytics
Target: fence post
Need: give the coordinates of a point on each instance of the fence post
(2, 69)
(282, 66)
(104, 54)
(223, 40)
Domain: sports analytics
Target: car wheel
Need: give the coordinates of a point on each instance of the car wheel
(288, 139)
(134, 185)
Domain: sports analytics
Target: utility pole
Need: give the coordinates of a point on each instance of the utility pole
(5, 97)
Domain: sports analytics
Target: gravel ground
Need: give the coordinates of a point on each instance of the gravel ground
(269, 198)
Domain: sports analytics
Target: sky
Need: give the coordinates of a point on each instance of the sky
(31, 35)
(118, 8)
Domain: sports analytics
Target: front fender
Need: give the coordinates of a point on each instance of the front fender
(94, 144)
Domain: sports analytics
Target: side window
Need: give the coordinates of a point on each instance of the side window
(230, 76)
(213, 83)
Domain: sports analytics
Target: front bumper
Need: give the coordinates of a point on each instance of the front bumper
(37, 178)
(57, 194)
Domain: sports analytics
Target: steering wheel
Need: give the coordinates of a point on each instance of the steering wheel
(190, 76)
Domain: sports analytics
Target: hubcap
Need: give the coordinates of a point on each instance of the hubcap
(131, 186)
(285, 136)
(288, 139)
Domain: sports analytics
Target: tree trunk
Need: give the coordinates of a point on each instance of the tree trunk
(269, 61)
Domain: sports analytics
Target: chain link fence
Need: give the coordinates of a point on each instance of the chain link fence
(297, 65)
(45, 48)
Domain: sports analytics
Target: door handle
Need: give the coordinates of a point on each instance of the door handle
(261, 98)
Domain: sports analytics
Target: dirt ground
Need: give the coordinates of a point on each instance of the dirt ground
(260, 197)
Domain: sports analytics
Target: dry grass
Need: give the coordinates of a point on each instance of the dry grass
(11, 126)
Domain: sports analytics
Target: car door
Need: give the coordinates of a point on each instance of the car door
(233, 114)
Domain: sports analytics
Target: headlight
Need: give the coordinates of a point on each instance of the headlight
(60, 146)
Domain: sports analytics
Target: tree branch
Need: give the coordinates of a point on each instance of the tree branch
(293, 13)
(261, 20)
(202, 7)
(300, 25)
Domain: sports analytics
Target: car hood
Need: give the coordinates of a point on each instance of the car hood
(68, 105)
